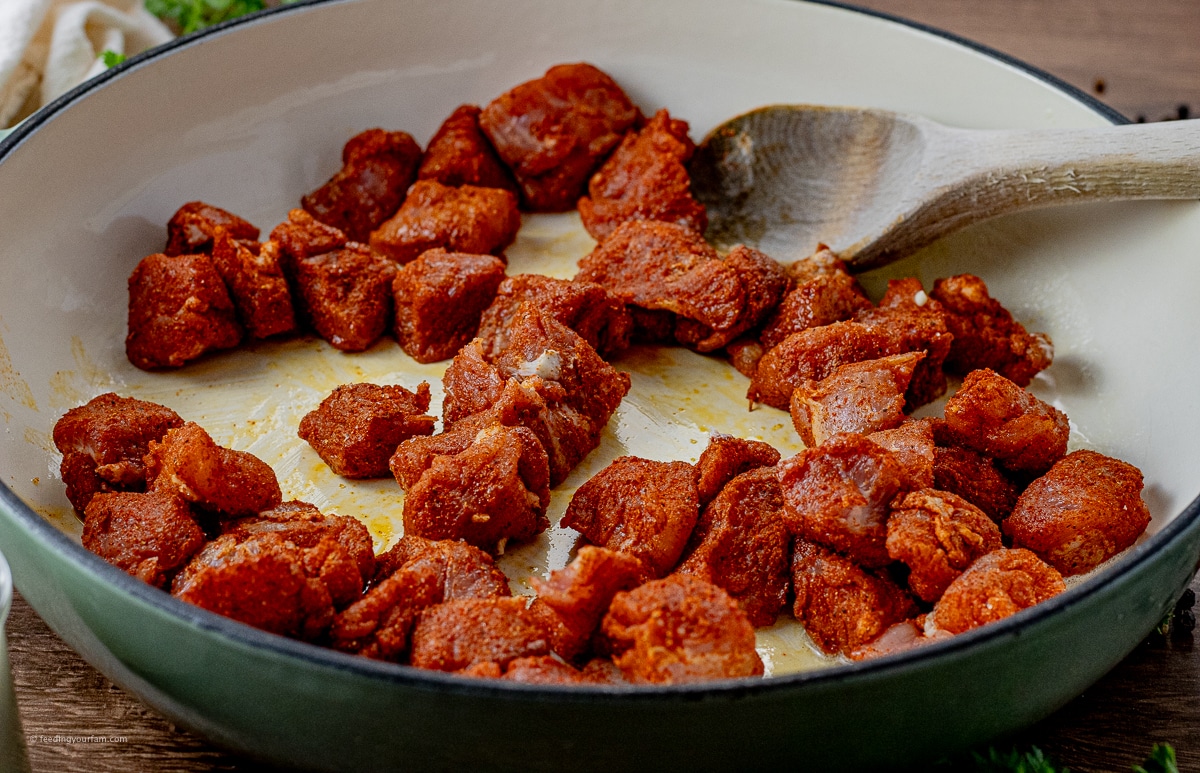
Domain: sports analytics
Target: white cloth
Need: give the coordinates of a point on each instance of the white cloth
(47, 47)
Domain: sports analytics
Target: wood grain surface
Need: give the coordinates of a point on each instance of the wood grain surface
(1141, 58)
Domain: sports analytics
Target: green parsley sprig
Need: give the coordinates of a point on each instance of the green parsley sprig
(191, 15)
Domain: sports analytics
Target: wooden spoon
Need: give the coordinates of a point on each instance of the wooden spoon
(876, 186)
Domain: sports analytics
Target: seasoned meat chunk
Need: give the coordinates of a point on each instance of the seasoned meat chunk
(824, 292)
(744, 354)
(938, 535)
(463, 571)
(150, 536)
(812, 355)
(977, 479)
(464, 219)
(741, 545)
(260, 581)
(103, 442)
(301, 237)
(456, 635)
(355, 430)
(439, 299)
(378, 625)
(726, 457)
(179, 310)
(645, 179)
(571, 602)
(995, 417)
(495, 490)
(999, 584)
(191, 229)
(838, 494)
(255, 279)
(912, 326)
(859, 397)
(459, 154)
(347, 294)
(897, 638)
(553, 131)
(842, 605)
(187, 462)
(1081, 513)
(545, 670)
(637, 506)
(912, 445)
(377, 168)
(763, 281)
(986, 335)
(585, 307)
(679, 629)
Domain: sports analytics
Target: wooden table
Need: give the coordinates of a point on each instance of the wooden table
(1141, 58)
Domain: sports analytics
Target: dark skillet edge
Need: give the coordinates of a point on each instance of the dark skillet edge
(244, 635)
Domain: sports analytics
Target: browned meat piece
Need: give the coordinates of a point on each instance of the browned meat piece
(347, 294)
(995, 417)
(459, 154)
(103, 442)
(464, 219)
(495, 490)
(463, 571)
(179, 309)
(986, 335)
(439, 299)
(255, 279)
(651, 326)
(544, 670)
(645, 179)
(764, 282)
(637, 506)
(912, 323)
(553, 131)
(838, 494)
(679, 629)
(859, 397)
(150, 536)
(191, 229)
(744, 354)
(977, 479)
(260, 581)
(824, 293)
(999, 584)
(812, 355)
(726, 457)
(741, 545)
(188, 463)
(378, 625)
(842, 605)
(667, 267)
(1081, 513)
(571, 602)
(456, 635)
(899, 637)
(585, 307)
(301, 237)
(912, 445)
(355, 430)
(377, 168)
(938, 535)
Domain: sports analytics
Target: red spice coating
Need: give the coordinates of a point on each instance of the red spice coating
(355, 430)
(179, 309)
(999, 584)
(977, 479)
(638, 506)
(150, 536)
(553, 131)
(439, 298)
(741, 545)
(763, 283)
(456, 635)
(938, 535)
(909, 326)
(377, 168)
(744, 354)
(255, 279)
(842, 605)
(347, 295)
(824, 292)
(464, 219)
(301, 237)
(812, 355)
(679, 629)
(459, 154)
(899, 637)
(188, 463)
(1082, 512)
(912, 445)
(378, 625)
(463, 571)
(645, 179)
(726, 457)
(859, 397)
(191, 229)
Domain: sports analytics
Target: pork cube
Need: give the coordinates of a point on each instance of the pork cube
(824, 292)
(585, 307)
(377, 168)
(996, 586)
(763, 283)
(726, 457)
(463, 571)
(744, 354)
(811, 355)
(859, 397)
(355, 430)
(1081, 513)
(187, 462)
(347, 294)
(645, 178)
(899, 637)
(912, 445)
(439, 298)
(465, 219)
(150, 536)
(456, 635)
(300, 237)
(255, 279)
(378, 625)
(544, 670)
(938, 535)
(909, 326)
(679, 629)
(553, 131)
(637, 506)
(977, 479)
(459, 154)
(179, 309)
(191, 230)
